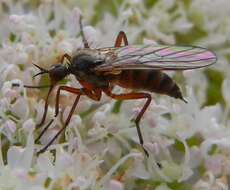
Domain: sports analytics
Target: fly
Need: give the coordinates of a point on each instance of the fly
(129, 66)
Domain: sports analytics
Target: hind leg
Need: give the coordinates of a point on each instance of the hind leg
(121, 37)
(134, 96)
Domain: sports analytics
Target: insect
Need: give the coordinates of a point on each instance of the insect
(128, 66)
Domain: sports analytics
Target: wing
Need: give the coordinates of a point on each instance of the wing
(156, 57)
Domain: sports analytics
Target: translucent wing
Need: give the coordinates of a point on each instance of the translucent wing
(159, 57)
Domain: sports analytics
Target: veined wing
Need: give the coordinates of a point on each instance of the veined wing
(157, 57)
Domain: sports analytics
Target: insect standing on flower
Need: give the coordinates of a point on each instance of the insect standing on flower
(129, 66)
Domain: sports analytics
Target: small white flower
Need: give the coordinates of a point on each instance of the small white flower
(8, 129)
(210, 182)
(223, 143)
(28, 125)
(214, 164)
(226, 91)
(20, 108)
(15, 174)
(65, 47)
(115, 185)
(195, 158)
(21, 23)
(138, 170)
(163, 187)
(182, 25)
(91, 35)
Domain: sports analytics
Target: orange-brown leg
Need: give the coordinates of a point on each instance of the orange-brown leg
(121, 36)
(95, 95)
(67, 56)
(63, 128)
(64, 88)
(132, 96)
(45, 108)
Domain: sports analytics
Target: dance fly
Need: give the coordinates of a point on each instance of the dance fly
(135, 67)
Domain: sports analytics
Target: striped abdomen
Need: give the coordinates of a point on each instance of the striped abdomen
(149, 80)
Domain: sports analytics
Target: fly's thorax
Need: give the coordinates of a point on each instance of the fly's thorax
(83, 61)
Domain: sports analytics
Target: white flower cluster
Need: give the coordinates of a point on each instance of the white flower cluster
(188, 144)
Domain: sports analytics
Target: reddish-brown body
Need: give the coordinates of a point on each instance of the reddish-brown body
(138, 69)
(147, 80)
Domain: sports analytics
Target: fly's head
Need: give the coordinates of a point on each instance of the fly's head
(56, 72)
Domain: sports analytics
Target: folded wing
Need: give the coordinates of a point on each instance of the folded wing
(158, 57)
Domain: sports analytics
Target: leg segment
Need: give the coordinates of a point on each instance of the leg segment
(63, 128)
(45, 108)
(133, 96)
(95, 95)
(121, 36)
(67, 56)
(64, 88)
(67, 89)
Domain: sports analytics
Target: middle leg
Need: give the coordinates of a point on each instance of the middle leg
(63, 128)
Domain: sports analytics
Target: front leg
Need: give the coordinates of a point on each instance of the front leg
(95, 94)
(60, 88)
(45, 108)
(65, 56)
(63, 128)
